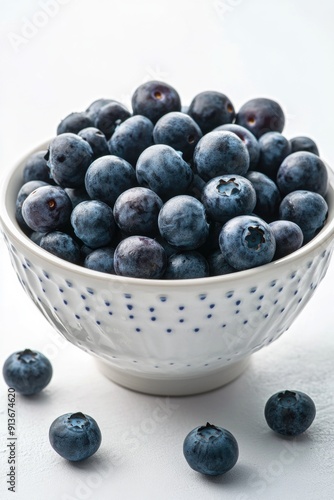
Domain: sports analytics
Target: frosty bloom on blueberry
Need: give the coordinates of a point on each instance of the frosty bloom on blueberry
(154, 99)
(27, 371)
(250, 141)
(182, 222)
(179, 131)
(261, 115)
(75, 436)
(227, 196)
(46, 208)
(219, 153)
(203, 189)
(290, 412)
(247, 241)
(69, 156)
(211, 109)
(211, 450)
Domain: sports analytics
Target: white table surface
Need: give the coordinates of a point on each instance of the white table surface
(85, 50)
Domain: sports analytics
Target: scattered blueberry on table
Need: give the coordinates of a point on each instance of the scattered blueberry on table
(190, 178)
(211, 450)
(290, 413)
(27, 371)
(75, 436)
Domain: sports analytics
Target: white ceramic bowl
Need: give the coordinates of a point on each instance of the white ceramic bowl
(166, 337)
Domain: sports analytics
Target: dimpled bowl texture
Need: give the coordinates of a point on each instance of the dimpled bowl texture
(166, 337)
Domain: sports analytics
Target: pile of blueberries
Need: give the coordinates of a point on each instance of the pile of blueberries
(168, 192)
(208, 449)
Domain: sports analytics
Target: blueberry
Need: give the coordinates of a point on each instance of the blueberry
(110, 116)
(247, 138)
(47, 208)
(268, 197)
(74, 122)
(186, 265)
(220, 153)
(154, 99)
(212, 242)
(211, 450)
(246, 242)
(261, 115)
(227, 196)
(101, 259)
(131, 138)
(210, 109)
(169, 249)
(289, 412)
(307, 209)
(182, 222)
(36, 237)
(163, 170)
(27, 371)
(61, 245)
(93, 223)
(77, 195)
(288, 236)
(36, 168)
(97, 141)
(218, 265)
(303, 170)
(85, 251)
(140, 257)
(196, 187)
(274, 148)
(179, 131)
(75, 436)
(69, 158)
(94, 108)
(302, 143)
(107, 177)
(23, 193)
(136, 211)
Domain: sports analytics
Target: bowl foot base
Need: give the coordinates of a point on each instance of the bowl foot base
(183, 386)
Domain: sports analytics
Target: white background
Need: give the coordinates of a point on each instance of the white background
(56, 63)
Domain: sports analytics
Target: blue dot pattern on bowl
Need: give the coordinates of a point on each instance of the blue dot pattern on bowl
(176, 331)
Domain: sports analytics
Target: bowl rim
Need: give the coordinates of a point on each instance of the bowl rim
(10, 226)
